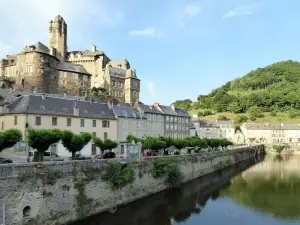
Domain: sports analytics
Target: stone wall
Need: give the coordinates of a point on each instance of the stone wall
(54, 194)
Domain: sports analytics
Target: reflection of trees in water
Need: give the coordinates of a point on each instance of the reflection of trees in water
(275, 196)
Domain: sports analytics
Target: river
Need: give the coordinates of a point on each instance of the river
(262, 191)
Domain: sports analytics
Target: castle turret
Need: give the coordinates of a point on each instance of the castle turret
(58, 37)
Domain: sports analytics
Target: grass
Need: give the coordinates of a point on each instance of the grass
(279, 118)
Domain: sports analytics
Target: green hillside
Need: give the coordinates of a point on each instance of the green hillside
(266, 94)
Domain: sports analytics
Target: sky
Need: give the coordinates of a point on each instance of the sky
(180, 48)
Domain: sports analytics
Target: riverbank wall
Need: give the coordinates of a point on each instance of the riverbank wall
(63, 192)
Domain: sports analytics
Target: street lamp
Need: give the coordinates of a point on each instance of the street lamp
(27, 146)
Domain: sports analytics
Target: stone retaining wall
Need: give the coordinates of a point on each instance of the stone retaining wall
(52, 194)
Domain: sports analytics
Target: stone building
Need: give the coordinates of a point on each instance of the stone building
(38, 68)
(41, 111)
(177, 121)
(155, 119)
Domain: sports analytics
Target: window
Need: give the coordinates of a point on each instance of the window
(69, 122)
(120, 84)
(54, 121)
(133, 124)
(75, 75)
(94, 150)
(38, 120)
(141, 124)
(105, 123)
(16, 120)
(29, 68)
(94, 134)
(94, 123)
(122, 149)
(114, 83)
(125, 123)
(63, 75)
(125, 136)
(64, 82)
(105, 135)
(154, 117)
(82, 122)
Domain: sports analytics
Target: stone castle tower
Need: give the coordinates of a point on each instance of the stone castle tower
(58, 37)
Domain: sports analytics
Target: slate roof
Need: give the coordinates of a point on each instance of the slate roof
(39, 47)
(37, 104)
(71, 67)
(211, 124)
(266, 126)
(127, 112)
(181, 112)
(88, 52)
(225, 122)
(115, 71)
(149, 109)
(167, 110)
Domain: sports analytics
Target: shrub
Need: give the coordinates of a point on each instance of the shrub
(273, 113)
(9, 138)
(222, 117)
(278, 148)
(252, 118)
(117, 176)
(241, 119)
(207, 113)
(200, 114)
(293, 113)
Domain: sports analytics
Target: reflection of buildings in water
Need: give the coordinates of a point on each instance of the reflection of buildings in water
(283, 166)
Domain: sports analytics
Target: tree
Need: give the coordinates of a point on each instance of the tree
(214, 143)
(75, 142)
(224, 143)
(9, 138)
(200, 114)
(241, 119)
(42, 139)
(185, 104)
(109, 144)
(131, 138)
(99, 143)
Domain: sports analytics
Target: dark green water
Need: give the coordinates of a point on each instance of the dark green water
(257, 192)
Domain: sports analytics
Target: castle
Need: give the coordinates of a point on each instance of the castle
(42, 69)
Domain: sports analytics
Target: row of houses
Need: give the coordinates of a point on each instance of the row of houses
(249, 132)
(101, 119)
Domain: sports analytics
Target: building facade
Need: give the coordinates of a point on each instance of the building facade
(46, 112)
(53, 69)
(177, 121)
(155, 119)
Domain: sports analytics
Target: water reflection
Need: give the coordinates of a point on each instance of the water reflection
(176, 206)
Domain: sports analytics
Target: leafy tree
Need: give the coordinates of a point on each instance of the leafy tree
(293, 113)
(42, 139)
(200, 114)
(109, 144)
(224, 143)
(234, 107)
(179, 143)
(9, 138)
(241, 119)
(167, 140)
(75, 142)
(131, 138)
(186, 104)
(214, 143)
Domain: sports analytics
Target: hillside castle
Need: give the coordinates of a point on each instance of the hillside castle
(55, 70)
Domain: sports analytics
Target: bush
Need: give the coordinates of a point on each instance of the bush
(273, 113)
(207, 113)
(252, 118)
(278, 148)
(200, 114)
(222, 117)
(293, 113)
(241, 119)
(255, 111)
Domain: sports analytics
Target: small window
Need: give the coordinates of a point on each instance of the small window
(105, 135)
(54, 121)
(94, 123)
(16, 120)
(64, 82)
(122, 149)
(29, 68)
(38, 120)
(75, 75)
(105, 123)
(94, 150)
(94, 134)
(63, 75)
(81, 122)
(69, 122)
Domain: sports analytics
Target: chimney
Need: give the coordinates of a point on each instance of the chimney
(110, 103)
(173, 107)
(94, 48)
(76, 108)
(156, 104)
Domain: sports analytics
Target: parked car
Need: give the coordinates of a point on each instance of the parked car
(5, 160)
(106, 155)
(80, 157)
(48, 156)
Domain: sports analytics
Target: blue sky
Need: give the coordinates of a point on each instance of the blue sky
(179, 48)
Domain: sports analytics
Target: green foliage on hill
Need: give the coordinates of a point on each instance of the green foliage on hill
(274, 88)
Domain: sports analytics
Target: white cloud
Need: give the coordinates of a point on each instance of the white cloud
(30, 21)
(240, 11)
(192, 10)
(151, 89)
(148, 32)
